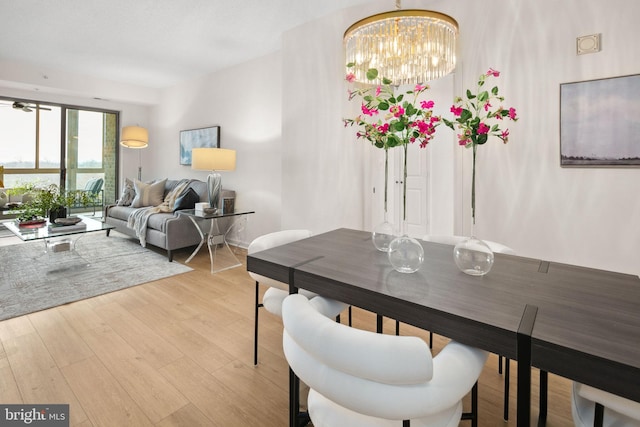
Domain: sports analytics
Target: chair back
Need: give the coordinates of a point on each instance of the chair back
(271, 240)
(454, 240)
(94, 185)
(385, 376)
(618, 411)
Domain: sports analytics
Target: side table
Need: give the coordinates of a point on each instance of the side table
(209, 228)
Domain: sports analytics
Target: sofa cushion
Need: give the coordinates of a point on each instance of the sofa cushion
(158, 221)
(148, 194)
(186, 200)
(128, 193)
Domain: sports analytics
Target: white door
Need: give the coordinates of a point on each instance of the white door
(419, 165)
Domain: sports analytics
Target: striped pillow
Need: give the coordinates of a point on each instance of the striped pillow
(148, 194)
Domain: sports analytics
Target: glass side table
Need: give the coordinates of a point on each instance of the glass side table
(208, 225)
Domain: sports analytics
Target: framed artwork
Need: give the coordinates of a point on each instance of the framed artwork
(197, 138)
(599, 123)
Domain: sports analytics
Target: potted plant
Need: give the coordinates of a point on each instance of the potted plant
(49, 201)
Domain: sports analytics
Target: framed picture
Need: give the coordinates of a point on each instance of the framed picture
(599, 123)
(197, 138)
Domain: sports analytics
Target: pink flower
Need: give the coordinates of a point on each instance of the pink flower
(427, 105)
(383, 128)
(378, 89)
(463, 140)
(493, 73)
(483, 129)
(456, 110)
(351, 77)
(368, 111)
(512, 113)
(396, 110)
(505, 135)
(419, 88)
(487, 106)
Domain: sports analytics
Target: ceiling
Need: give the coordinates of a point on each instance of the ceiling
(151, 43)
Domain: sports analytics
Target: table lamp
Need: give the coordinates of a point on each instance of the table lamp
(213, 159)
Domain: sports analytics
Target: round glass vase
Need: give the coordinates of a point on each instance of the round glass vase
(473, 256)
(383, 234)
(406, 254)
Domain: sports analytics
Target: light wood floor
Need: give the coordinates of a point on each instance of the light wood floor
(179, 352)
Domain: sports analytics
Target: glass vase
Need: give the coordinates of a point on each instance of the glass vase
(406, 254)
(385, 232)
(472, 255)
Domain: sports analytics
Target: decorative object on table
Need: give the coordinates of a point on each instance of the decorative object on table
(590, 112)
(68, 221)
(214, 160)
(428, 41)
(473, 256)
(208, 137)
(135, 137)
(406, 121)
(228, 205)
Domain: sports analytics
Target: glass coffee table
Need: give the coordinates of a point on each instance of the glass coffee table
(59, 241)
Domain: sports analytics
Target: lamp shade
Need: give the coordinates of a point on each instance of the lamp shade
(134, 137)
(213, 159)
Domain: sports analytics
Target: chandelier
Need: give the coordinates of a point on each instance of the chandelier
(406, 46)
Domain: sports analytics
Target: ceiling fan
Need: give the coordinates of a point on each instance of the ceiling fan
(24, 106)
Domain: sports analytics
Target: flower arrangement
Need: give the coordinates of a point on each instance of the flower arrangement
(473, 116)
(392, 119)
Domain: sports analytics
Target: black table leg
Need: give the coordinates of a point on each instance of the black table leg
(524, 365)
(544, 386)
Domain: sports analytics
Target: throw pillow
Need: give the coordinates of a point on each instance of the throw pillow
(148, 194)
(128, 193)
(187, 200)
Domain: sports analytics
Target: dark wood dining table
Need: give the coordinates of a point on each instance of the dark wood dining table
(576, 322)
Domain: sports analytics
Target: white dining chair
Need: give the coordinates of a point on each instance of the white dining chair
(376, 380)
(495, 248)
(278, 291)
(593, 407)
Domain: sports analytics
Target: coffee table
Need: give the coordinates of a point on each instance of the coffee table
(60, 242)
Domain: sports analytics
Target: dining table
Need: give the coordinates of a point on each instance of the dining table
(573, 321)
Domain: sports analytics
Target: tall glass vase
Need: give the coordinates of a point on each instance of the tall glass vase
(473, 256)
(384, 233)
(406, 254)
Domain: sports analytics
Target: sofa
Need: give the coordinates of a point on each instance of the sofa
(166, 230)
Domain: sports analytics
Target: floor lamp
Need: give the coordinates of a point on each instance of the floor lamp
(135, 137)
(214, 160)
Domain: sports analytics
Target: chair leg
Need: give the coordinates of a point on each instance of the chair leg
(255, 326)
(500, 365)
(505, 415)
(397, 328)
(430, 340)
(349, 315)
(473, 415)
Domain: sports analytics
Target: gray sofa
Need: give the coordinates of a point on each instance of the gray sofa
(168, 231)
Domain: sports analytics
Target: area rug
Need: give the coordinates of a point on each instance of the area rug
(32, 280)
(5, 232)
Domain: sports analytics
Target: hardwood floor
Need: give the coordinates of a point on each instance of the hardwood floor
(179, 352)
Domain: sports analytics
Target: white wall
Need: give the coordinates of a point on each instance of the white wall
(245, 101)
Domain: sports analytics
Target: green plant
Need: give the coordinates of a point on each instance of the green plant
(49, 198)
(472, 118)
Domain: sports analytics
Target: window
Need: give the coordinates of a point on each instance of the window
(57, 144)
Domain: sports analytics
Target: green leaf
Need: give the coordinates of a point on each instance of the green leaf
(383, 106)
(386, 81)
(410, 110)
(398, 126)
(368, 98)
(494, 91)
(351, 64)
(448, 123)
(483, 96)
(392, 100)
(372, 74)
(482, 139)
(399, 98)
(465, 115)
(470, 95)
